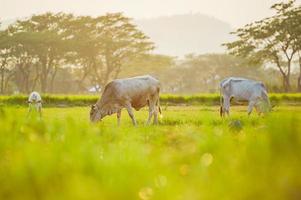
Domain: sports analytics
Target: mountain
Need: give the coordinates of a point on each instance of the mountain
(179, 35)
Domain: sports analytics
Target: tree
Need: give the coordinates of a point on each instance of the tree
(153, 64)
(292, 17)
(119, 42)
(202, 73)
(38, 40)
(6, 71)
(269, 41)
(103, 45)
(98, 48)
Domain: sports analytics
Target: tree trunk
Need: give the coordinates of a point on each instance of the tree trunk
(299, 78)
(285, 76)
(80, 83)
(2, 80)
(43, 76)
(9, 76)
(36, 78)
(25, 73)
(27, 77)
(286, 83)
(23, 78)
(3, 75)
(53, 75)
(43, 80)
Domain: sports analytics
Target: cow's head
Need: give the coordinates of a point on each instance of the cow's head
(95, 113)
(265, 106)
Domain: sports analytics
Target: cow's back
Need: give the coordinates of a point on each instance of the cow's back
(136, 85)
(241, 88)
(34, 97)
(136, 90)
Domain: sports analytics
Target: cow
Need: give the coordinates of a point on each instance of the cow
(35, 103)
(129, 93)
(242, 89)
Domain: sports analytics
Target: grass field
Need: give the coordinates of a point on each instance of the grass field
(191, 154)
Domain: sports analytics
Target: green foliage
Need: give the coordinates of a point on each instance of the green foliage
(192, 154)
(165, 99)
(203, 73)
(153, 64)
(273, 40)
(97, 46)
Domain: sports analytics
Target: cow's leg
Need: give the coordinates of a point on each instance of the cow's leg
(150, 114)
(257, 108)
(131, 114)
(40, 110)
(250, 107)
(118, 117)
(155, 115)
(29, 110)
(156, 110)
(226, 106)
(150, 111)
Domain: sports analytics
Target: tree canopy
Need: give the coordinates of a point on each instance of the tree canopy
(43, 44)
(274, 40)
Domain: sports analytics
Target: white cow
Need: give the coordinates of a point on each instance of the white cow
(35, 103)
(128, 93)
(241, 89)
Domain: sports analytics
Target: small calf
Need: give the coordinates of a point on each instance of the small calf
(35, 102)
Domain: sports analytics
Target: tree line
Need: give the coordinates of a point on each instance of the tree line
(64, 53)
(34, 50)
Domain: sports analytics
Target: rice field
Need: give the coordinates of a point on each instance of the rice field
(191, 154)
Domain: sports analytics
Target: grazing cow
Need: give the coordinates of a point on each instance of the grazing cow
(35, 102)
(241, 89)
(128, 93)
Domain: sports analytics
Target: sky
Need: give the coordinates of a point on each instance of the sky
(235, 12)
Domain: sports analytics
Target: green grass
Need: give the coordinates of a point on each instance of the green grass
(166, 99)
(191, 154)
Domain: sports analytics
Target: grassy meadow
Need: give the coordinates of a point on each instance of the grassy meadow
(191, 154)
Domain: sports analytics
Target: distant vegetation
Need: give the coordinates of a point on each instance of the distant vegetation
(165, 100)
(35, 51)
(62, 53)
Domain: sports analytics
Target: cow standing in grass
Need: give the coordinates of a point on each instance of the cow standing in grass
(129, 93)
(35, 103)
(241, 89)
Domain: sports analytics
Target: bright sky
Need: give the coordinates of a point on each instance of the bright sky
(235, 12)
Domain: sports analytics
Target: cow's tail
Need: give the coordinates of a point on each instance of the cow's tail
(266, 100)
(158, 103)
(265, 96)
(159, 107)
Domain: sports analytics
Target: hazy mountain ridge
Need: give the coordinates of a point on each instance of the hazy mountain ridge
(189, 33)
(178, 35)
